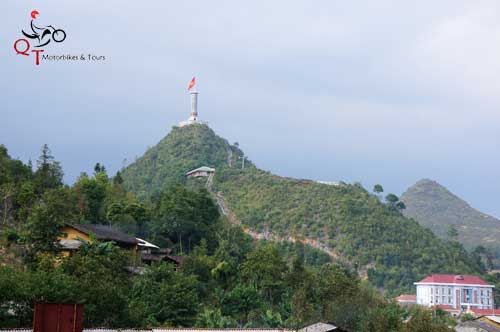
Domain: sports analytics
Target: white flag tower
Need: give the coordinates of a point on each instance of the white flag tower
(193, 117)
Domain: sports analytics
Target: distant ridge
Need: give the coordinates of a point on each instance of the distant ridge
(435, 207)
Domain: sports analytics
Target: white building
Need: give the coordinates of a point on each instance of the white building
(455, 292)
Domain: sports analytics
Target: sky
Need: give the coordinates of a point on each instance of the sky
(385, 92)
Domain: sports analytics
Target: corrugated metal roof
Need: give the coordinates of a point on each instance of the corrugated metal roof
(406, 297)
(105, 233)
(319, 327)
(201, 169)
(146, 244)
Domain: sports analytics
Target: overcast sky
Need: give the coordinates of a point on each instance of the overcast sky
(381, 91)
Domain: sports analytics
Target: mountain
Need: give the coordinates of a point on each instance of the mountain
(347, 221)
(435, 207)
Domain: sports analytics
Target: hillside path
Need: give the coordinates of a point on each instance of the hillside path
(233, 219)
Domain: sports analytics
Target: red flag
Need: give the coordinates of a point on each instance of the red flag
(192, 83)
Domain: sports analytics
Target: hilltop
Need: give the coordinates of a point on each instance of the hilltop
(347, 220)
(435, 207)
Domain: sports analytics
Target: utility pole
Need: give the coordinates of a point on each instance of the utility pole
(243, 162)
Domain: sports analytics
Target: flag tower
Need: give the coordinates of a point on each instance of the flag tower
(193, 117)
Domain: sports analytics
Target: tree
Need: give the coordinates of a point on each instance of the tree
(162, 296)
(265, 270)
(48, 216)
(337, 289)
(378, 189)
(241, 301)
(102, 283)
(400, 205)
(49, 173)
(185, 217)
(117, 179)
(98, 168)
(20, 289)
(382, 318)
(421, 321)
(452, 233)
(304, 302)
(394, 203)
(214, 319)
(91, 193)
(391, 199)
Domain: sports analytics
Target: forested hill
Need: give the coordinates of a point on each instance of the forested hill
(354, 223)
(180, 151)
(435, 207)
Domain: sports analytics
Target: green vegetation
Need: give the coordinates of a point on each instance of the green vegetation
(436, 208)
(166, 163)
(227, 279)
(363, 231)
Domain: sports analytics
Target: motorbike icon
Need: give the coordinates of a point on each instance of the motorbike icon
(45, 35)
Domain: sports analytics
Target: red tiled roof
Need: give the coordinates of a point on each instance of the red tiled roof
(486, 312)
(445, 307)
(406, 297)
(453, 279)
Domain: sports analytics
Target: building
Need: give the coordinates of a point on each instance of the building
(140, 251)
(454, 292)
(73, 235)
(406, 300)
(161, 255)
(203, 171)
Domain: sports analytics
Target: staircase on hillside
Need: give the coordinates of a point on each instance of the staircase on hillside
(233, 219)
(209, 182)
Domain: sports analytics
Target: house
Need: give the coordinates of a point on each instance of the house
(72, 236)
(161, 255)
(203, 171)
(406, 300)
(140, 250)
(454, 292)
